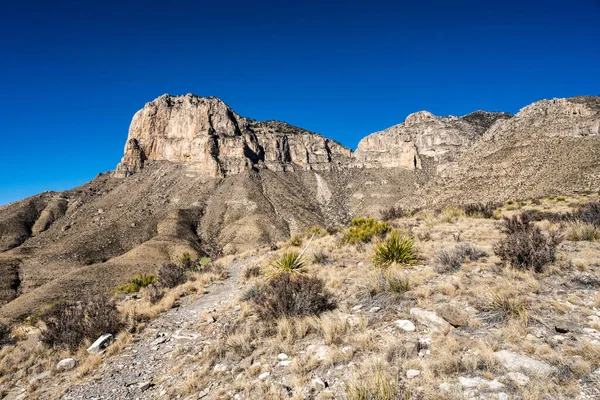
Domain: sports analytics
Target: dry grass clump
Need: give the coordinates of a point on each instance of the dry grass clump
(450, 261)
(296, 240)
(525, 246)
(376, 383)
(577, 231)
(252, 271)
(503, 306)
(396, 249)
(451, 214)
(362, 230)
(320, 257)
(71, 323)
(291, 295)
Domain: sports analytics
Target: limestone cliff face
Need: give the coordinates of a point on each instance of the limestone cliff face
(423, 134)
(209, 137)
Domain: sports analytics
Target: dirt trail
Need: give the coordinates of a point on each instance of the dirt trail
(141, 369)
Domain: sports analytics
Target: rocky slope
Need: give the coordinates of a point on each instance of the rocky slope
(198, 177)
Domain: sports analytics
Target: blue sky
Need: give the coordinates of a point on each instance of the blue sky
(73, 73)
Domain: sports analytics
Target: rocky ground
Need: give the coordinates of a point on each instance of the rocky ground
(480, 331)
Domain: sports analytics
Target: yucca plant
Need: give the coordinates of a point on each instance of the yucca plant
(397, 248)
(288, 261)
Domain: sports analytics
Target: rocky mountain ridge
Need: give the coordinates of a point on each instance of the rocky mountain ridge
(198, 177)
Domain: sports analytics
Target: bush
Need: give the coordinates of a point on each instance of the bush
(393, 213)
(153, 293)
(363, 230)
(448, 261)
(525, 246)
(589, 213)
(396, 249)
(289, 261)
(69, 324)
(287, 295)
(317, 231)
(203, 264)
(320, 257)
(578, 231)
(5, 334)
(252, 271)
(134, 284)
(450, 214)
(171, 275)
(390, 281)
(186, 261)
(296, 240)
(480, 210)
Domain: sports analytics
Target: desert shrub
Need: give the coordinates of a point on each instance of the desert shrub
(287, 262)
(135, 283)
(560, 198)
(502, 306)
(397, 248)
(510, 203)
(378, 384)
(449, 261)
(536, 202)
(296, 240)
(186, 261)
(589, 213)
(153, 293)
(203, 264)
(536, 215)
(317, 231)
(393, 213)
(70, 323)
(362, 230)
(5, 335)
(171, 275)
(577, 231)
(525, 246)
(288, 295)
(320, 257)
(480, 210)
(251, 271)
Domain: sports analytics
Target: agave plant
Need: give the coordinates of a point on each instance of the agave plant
(290, 262)
(397, 249)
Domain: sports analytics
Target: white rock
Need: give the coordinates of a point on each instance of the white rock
(521, 363)
(264, 376)
(405, 325)
(374, 309)
(597, 372)
(284, 363)
(503, 396)
(100, 344)
(474, 383)
(282, 356)
(357, 307)
(412, 373)
(220, 368)
(430, 320)
(318, 384)
(66, 364)
(518, 378)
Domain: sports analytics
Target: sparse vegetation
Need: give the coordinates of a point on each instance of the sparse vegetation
(396, 249)
(138, 282)
(70, 323)
(252, 271)
(502, 306)
(5, 334)
(525, 246)
(186, 261)
(578, 231)
(377, 384)
(320, 257)
(362, 230)
(288, 295)
(296, 240)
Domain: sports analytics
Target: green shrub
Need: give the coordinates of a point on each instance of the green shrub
(134, 284)
(70, 323)
(560, 198)
(363, 230)
(396, 249)
(203, 263)
(288, 295)
(288, 261)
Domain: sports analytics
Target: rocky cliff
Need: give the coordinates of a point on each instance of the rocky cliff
(199, 178)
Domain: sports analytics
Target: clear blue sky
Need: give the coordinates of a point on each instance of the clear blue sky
(73, 73)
